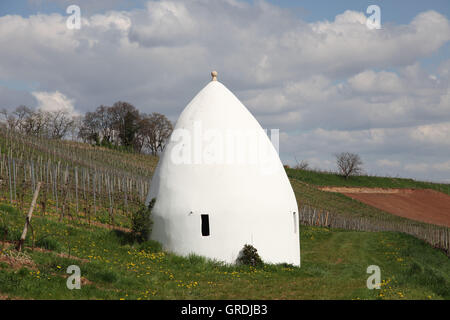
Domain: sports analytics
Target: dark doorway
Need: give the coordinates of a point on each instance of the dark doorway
(205, 225)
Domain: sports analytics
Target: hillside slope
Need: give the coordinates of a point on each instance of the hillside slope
(73, 153)
(92, 231)
(334, 264)
(317, 178)
(395, 213)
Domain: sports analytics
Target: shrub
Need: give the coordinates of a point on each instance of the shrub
(141, 222)
(249, 256)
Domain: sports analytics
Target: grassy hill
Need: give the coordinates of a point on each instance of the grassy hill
(336, 202)
(76, 154)
(334, 266)
(113, 266)
(79, 180)
(318, 178)
(305, 183)
(355, 215)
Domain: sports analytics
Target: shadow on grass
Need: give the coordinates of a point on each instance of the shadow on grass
(123, 237)
(128, 238)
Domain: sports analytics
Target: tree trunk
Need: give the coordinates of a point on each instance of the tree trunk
(28, 219)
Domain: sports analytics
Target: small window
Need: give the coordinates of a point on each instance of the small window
(205, 225)
(295, 222)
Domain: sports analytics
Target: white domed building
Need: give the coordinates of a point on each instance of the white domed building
(220, 184)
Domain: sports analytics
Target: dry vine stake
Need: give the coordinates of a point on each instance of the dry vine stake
(28, 219)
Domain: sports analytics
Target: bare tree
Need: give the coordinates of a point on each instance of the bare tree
(76, 127)
(17, 119)
(302, 165)
(157, 132)
(59, 123)
(349, 164)
(4, 114)
(90, 128)
(104, 122)
(121, 124)
(140, 139)
(5, 118)
(25, 120)
(35, 123)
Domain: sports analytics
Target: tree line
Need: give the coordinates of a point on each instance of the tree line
(56, 125)
(119, 125)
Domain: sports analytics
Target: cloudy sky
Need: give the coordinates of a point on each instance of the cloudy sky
(313, 69)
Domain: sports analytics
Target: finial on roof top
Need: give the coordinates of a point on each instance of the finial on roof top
(214, 75)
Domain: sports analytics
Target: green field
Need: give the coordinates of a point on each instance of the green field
(334, 266)
(82, 229)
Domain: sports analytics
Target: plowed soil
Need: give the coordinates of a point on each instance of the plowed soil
(422, 205)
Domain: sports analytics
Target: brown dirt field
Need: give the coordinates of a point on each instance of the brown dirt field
(364, 190)
(422, 205)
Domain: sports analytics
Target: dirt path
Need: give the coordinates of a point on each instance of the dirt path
(364, 190)
(423, 205)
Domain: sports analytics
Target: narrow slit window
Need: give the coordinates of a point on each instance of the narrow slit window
(205, 225)
(295, 221)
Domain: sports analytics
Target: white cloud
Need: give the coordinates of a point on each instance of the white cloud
(370, 82)
(54, 101)
(328, 85)
(252, 45)
(164, 24)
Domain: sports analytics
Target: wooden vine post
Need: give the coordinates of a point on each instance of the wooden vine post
(28, 219)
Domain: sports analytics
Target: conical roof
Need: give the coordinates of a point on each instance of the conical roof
(221, 164)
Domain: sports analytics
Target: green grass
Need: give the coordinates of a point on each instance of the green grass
(332, 179)
(112, 266)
